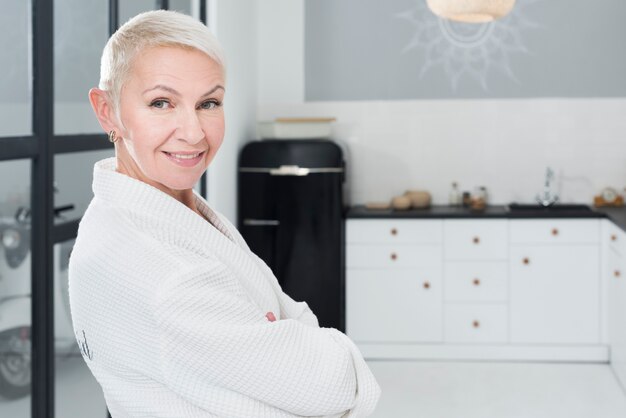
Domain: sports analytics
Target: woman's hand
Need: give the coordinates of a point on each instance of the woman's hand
(270, 316)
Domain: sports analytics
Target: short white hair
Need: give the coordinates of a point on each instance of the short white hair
(147, 30)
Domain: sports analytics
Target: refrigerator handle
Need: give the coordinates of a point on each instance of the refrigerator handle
(290, 170)
(261, 222)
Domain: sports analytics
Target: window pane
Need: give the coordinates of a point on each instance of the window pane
(80, 33)
(15, 290)
(130, 8)
(77, 393)
(15, 69)
(73, 174)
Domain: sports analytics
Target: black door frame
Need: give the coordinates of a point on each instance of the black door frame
(40, 148)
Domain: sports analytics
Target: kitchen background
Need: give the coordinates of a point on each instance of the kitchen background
(549, 91)
(419, 102)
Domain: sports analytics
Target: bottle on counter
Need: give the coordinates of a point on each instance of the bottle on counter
(467, 199)
(455, 195)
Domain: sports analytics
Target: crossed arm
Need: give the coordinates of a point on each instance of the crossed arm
(211, 336)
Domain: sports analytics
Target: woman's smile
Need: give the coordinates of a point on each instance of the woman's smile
(185, 159)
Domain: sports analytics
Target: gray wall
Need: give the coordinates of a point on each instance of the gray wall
(397, 49)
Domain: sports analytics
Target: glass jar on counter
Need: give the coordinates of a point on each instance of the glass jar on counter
(479, 198)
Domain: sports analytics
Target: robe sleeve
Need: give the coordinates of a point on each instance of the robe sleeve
(299, 311)
(290, 309)
(211, 335)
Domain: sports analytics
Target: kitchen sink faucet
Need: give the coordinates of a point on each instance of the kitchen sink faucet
(547, 198)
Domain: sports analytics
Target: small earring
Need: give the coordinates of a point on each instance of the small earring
(112, 136)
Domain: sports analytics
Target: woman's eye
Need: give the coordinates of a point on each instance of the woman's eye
(210, 104)
(160, 104)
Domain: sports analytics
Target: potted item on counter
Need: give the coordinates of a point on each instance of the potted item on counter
(401, 203)
(378, 205)
(420, 199)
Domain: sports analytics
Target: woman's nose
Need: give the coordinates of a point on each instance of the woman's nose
(189, 127)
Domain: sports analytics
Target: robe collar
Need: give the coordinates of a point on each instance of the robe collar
(175, 223)
(147, 200)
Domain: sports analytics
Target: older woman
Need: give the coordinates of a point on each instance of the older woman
(173, 313)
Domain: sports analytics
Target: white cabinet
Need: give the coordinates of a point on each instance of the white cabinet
(555, 286)
(394, 281)
(394, 231)
(616, 280)
(471, 239)
(480, 289)
(400, 305)
(475, 281)
(555, 231)
(391, 256)
(555, 294)
(476, 323)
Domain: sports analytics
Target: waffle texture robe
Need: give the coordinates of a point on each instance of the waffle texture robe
(169, 312)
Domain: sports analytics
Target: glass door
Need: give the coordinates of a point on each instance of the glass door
(49, 142)
(16, 145)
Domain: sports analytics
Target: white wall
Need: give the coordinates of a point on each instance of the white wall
(280, 48)
(236, 28)
(504, 145)
(264, 43)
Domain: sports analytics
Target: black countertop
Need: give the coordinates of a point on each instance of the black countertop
(431, 212)
(617, 215)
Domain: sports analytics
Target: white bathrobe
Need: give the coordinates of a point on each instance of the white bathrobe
(169, 312)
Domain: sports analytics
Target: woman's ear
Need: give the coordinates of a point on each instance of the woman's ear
(103, 108)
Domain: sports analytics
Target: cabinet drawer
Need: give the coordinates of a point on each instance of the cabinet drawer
(614, 237)
(394, 306)
(475, 281)
(475, 323)
(555, 231)
(476, 240)
(392, 256)
(381, 231)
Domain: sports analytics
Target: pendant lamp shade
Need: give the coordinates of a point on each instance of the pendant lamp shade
(472, 11)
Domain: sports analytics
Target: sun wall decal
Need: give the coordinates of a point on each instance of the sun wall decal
(468, 51)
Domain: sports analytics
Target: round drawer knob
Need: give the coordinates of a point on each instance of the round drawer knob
(555, 231)
(394, 256)
(476, 324)
(476, 240)
(617, 273)
(426, 285)
(526, 260)
(476, 282)
(394, 231)
(613, 237)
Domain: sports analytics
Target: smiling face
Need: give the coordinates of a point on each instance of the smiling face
(172, 119)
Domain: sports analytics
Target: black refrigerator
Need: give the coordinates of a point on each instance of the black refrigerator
(290, 212)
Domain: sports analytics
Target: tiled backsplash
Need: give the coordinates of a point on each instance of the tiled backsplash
(504, 145)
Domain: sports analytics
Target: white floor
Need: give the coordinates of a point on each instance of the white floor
(419, 389)
(415, 389)
(78, 395)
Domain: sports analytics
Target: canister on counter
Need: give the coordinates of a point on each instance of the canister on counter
(466, 200)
